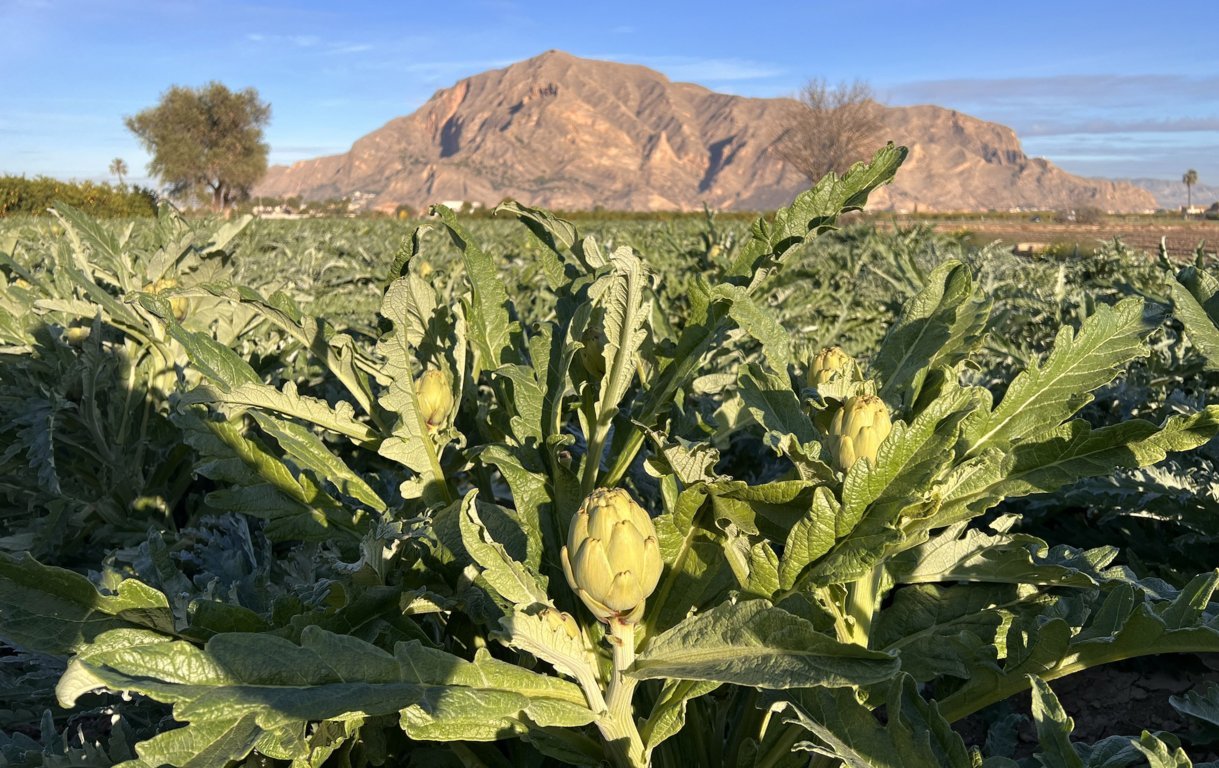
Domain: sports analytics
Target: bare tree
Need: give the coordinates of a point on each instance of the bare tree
(827, 128)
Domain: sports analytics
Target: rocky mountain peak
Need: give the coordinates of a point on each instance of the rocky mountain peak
(565, 132)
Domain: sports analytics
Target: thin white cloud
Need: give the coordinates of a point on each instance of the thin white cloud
(1102, 89)
(1100, 125)
(307, 42)
(350, 48)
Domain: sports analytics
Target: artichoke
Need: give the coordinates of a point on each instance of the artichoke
(435, 395)
(177, 304)
(592, 354)
(827, 363)
(857, 430)
(612, 560)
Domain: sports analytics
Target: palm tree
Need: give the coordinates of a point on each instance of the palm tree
(1190, 179)
(118, 167)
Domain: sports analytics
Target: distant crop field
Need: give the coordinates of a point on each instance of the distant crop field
(1182, 238)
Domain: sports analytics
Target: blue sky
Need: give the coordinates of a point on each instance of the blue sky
(1115, 88)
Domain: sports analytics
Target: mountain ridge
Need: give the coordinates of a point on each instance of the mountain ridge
(559, 131)
(1171, 193)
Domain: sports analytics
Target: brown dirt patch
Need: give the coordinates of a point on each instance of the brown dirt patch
(1139, 232)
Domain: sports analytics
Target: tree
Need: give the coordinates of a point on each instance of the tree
(118, 167)
(1189, 179)
(828, 128)
(206, 141)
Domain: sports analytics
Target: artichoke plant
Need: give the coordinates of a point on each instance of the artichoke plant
(857, 430)
(435, 398)
(612, 560)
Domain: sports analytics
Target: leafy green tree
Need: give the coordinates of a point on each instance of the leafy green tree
(1189, 179)
(207, 141)
(118, 167)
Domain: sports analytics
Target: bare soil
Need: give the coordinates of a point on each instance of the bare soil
(1139, 232)
(1122, 699)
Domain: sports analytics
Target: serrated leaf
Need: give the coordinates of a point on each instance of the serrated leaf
(341, 419)
(53, 610)
(688, 461)
(284, 686)
(814, 211)
(489, 325)
(214, 360)
(811, 537)
(1053, 728)
(1160, 754)
(668, 715)
(1202, 702)
(508, 577)
(304, 511)
(1045, 395)
(754, 643)
(1123, 624)
(959, 554)
(1195, 299)
(620, 295)
(409, 303)
(198, 746)
(760, 323)
(774, 405)
(696, 573)
(914, 736)
(530, 631)
(1067, 453)
(309, 452)
(936, 327)
(947, 630)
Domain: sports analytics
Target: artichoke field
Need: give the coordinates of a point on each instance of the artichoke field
(563, 501)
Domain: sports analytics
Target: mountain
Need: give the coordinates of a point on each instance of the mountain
(1172, 194)
(564, 132)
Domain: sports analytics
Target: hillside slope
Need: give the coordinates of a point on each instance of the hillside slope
(563, 132)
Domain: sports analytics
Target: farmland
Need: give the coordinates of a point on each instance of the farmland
(238, 527)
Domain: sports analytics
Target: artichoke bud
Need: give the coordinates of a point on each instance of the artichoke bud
(561, 621)
(177, 304)
(612, 559)
(592, 354)
(857, 430)
(827, 364)
(435, 396)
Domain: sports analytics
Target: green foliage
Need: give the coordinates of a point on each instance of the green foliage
(34, 197)
(346, 581)
(206, 141)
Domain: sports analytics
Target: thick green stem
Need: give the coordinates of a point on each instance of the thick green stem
(862, 598)
(617, 725)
